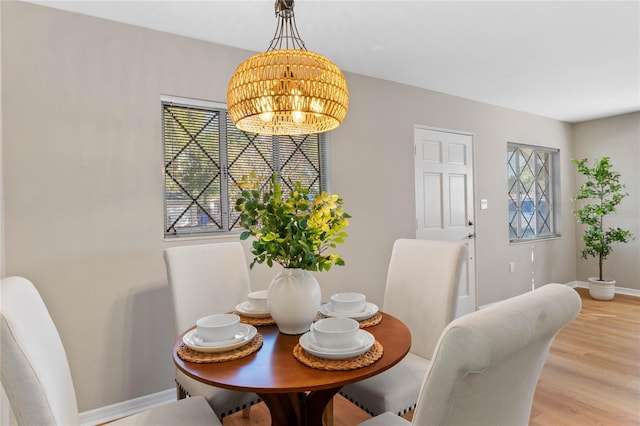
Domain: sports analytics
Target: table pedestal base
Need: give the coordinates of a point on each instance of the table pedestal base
(302, 409)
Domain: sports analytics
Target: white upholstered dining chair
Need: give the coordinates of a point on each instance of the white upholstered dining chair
(487, 363)
(421, 291)
(208, 279)
(35, 371)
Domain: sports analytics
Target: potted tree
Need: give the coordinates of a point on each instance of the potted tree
(297, 231)
(603, 188)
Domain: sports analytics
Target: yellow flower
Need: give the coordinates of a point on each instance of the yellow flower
(252, 182)
(291, 231)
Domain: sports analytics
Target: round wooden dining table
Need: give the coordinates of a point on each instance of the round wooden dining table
(295, 393)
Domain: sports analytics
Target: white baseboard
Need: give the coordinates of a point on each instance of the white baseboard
(619, 290)
(584, 284)
(581, 284)
(126, 408)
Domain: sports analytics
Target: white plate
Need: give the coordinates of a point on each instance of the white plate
(369, 310)
(241, 332)
(244, 336)
(309, 344)
(313, 344)
(245, 309)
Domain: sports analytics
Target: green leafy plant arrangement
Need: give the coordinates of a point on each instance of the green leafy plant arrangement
(603, 186)
(296, 232)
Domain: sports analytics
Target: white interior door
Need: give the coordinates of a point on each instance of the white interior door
(444, 198)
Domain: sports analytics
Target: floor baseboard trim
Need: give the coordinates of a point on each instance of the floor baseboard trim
(619, 290)
(584, 284)
(126, 408)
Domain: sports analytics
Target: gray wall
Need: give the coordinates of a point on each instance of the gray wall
(83, 185)
(619, 138)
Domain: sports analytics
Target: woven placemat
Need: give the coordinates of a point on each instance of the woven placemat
(362, 360)
(369, 322)
(190, 355)
(258, 322)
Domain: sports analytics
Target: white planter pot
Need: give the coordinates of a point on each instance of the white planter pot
(602, 290)
(294, 300)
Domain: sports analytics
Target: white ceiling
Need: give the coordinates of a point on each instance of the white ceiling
(571, 60)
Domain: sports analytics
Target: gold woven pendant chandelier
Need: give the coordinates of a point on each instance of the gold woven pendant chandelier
(287, 90)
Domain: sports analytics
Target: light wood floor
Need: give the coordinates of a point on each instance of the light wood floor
(592, 373)
(591, 377)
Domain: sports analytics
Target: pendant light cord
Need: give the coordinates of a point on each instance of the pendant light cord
(286, 36)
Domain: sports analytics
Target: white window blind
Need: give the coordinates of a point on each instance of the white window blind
(205, 156)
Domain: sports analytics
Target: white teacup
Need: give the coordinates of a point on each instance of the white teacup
(348, 302)
(218, 327)
(335, 333)
(258, 301)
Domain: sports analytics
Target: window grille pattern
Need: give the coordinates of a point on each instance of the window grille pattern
(206, 156)
(530, 172)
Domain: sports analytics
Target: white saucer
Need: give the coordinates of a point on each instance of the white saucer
(364, 338)
(370, 309)
(245, 334)
(245, 309)
(242, 331)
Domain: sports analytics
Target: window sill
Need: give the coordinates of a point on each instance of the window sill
(534, 240)
(216, 236)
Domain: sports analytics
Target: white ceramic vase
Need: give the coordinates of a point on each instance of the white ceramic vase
(602, 290)
(294, 299)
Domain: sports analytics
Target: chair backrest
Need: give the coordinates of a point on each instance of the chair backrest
(34, 366)
(422, 288)
(487, 363)
(205, 279)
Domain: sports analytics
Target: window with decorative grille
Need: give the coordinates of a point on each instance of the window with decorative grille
(206, 156)
(533, 188)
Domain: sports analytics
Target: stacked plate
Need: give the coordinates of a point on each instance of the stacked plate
(243, 335)
(256, 307)
(362, 343)
(246, 309)
(369, 310)
(349, 305)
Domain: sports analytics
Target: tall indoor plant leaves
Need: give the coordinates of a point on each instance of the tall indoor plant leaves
(602, 186)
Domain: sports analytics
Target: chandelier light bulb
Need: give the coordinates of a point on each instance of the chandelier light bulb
(298, 117)
(266, 116)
